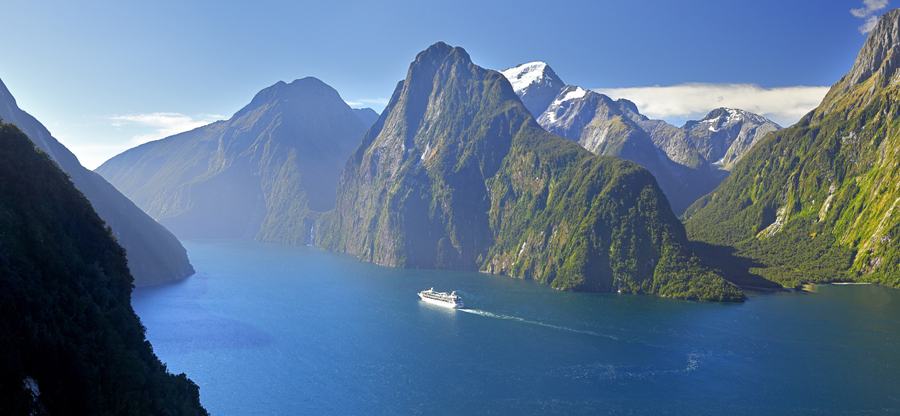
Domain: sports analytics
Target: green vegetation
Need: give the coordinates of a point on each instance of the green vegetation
(266, 173)
(457, 174)
(817, 202)
(65, 303)
(154, 254)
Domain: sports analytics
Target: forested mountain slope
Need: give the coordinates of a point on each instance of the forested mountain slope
(817, 202)
(154, 254)
(69, 341)
(457, 174)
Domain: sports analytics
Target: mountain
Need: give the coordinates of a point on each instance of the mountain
(265, 173)
(817, 202)
(721, 138)
(154, 254)
(457, 174)
(605, 126)
(536, 85)
(367, 115)
(70, 341)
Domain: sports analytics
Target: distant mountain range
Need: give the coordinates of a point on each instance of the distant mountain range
(679, 158)
(154, 254)
(367, 115)
(817, 202)
(457, 174)
(721, 138)
(266, 173)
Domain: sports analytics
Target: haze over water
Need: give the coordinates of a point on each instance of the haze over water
(277, 329)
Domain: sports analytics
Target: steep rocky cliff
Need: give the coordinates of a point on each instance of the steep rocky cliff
(457, 174)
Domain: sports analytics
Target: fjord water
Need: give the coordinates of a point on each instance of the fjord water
(276, 329)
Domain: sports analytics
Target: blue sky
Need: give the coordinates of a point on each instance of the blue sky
(104, 76)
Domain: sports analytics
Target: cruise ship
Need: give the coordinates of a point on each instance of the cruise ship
(447, 300)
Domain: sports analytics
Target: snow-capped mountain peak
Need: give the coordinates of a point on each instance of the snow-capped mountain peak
(536, 85)
(532, 73)
(727, 117)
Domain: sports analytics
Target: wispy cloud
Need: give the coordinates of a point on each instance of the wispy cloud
(368, 102)
(867, 12)
(678, 103)
(162, 124)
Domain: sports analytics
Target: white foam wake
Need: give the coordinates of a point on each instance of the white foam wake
(513, 318)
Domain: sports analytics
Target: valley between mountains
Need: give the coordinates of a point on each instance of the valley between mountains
(517, 173)
(513, 173)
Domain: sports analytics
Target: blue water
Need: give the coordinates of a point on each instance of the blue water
(269, 329)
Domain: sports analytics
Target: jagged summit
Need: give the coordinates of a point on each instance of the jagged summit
(724, 117)
(878, 55)
(525, 75)
(536, 85)
(875, 67)
(456, 174)
(816, 202)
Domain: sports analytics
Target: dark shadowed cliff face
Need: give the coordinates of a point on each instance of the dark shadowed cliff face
(457, 174)
(69, 341)
(817, 202)
(154, 254)
(265, 173)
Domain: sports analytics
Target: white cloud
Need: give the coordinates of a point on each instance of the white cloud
(368, 102)
(163, 124)
(868, 25)
(870, 7)
(678, 103)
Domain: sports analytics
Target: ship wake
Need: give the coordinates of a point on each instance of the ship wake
(514, 318)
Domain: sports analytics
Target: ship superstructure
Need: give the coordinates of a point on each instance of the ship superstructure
(447, 300)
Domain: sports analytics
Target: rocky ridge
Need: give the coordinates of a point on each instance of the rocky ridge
(266, 173)
(816, 202)
(457, 174)
(154, 254)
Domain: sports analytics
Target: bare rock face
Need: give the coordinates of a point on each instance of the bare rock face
(722, 137)
(456, 174)
(688, 162)
(879, 54)
(875, 66)
(613, 128)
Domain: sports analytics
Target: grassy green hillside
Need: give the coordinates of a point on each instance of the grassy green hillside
(817, 202)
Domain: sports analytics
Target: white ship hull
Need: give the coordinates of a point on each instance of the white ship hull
(441, 303)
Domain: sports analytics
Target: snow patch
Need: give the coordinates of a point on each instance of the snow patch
(575, 94)
(525, 75)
